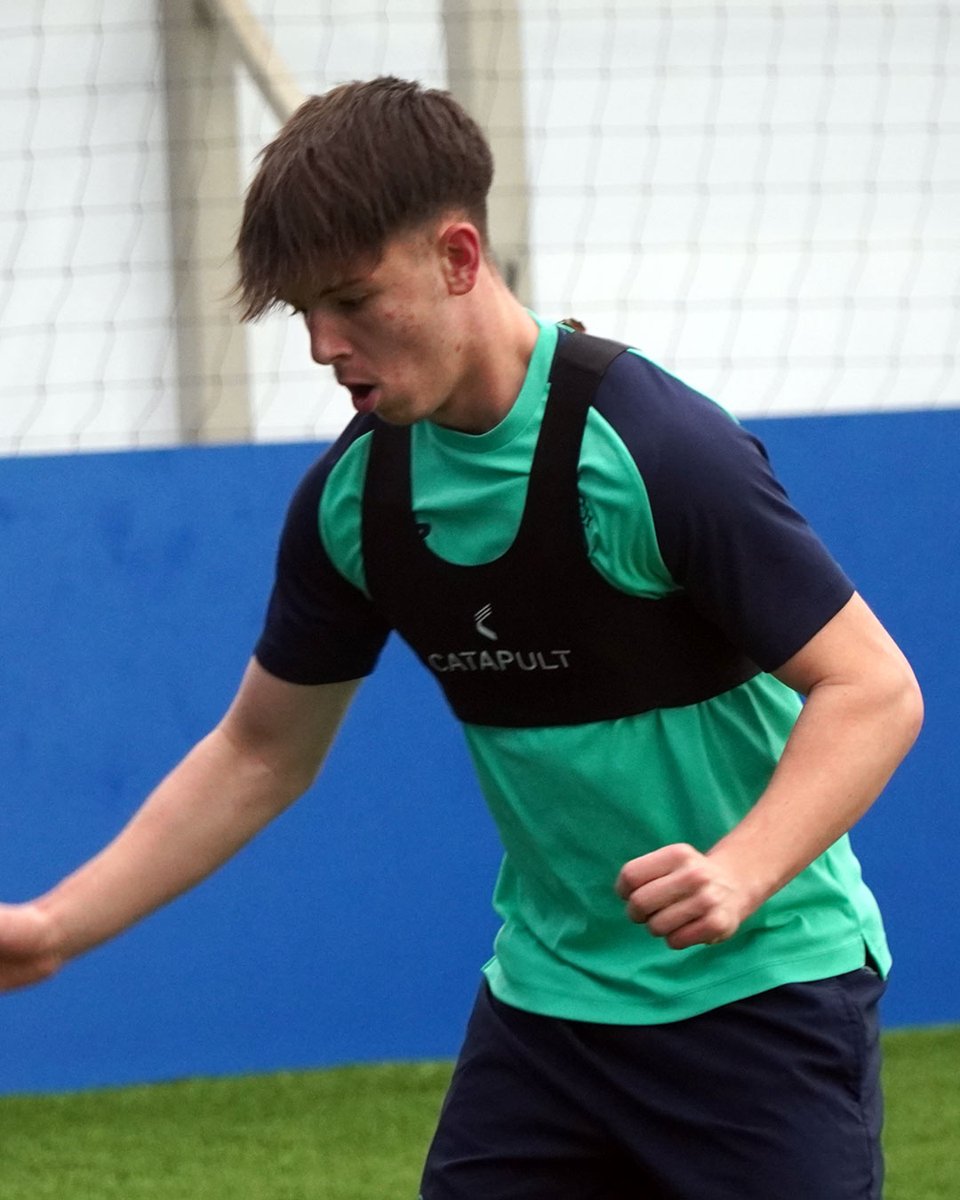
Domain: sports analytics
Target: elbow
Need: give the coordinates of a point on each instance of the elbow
(913, 709)
(904, 705)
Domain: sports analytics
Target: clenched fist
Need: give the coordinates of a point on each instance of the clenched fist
(27, 946)
(683, 896)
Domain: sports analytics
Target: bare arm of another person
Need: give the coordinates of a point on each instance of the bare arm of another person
(262, 756)
(862, 713)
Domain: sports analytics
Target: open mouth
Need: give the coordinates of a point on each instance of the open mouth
(364, 396)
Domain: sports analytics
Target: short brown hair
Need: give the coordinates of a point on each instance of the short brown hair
(350, 170)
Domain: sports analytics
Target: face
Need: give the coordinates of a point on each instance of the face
(389, 330)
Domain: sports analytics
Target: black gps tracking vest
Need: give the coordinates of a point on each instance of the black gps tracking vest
(536, 637)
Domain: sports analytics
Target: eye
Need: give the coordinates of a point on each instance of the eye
(352, 303)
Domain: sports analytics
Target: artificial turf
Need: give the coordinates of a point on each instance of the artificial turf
(359, 1133)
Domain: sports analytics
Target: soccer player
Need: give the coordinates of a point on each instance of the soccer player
(624, 611)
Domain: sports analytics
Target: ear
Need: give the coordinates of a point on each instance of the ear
(461, 255)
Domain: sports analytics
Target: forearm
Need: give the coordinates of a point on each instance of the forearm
(846, 744)
(264, 754)
(862, 714)
(209, 806)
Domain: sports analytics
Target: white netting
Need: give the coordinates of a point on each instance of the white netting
(762, 196)
(86, 348)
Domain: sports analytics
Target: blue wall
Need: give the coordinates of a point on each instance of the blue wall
(353, 929)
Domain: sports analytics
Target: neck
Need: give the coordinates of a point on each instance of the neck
(497, 350)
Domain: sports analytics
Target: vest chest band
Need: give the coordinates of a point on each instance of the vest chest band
(536, 637)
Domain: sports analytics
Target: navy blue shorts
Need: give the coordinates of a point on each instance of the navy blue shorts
(776, 1097)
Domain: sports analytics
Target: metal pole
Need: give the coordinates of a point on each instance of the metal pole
(485, 74)
(277, 86)
(205, 187)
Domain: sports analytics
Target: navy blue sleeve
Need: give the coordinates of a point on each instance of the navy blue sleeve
(726, 530)
(319, 628)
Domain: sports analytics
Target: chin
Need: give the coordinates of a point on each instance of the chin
(398, 414)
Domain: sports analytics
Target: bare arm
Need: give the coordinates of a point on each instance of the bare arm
(263, 755)
(862, 714)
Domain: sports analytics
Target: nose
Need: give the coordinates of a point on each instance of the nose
(327, 343)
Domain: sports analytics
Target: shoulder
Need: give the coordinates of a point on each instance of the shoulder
(660, 418)
(319, 627)
(320, 487)
(724, 525)
(696, 460)
(348, 445)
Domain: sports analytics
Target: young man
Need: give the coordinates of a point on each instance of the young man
(621, 605)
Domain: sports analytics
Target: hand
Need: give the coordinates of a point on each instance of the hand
(683, 896)
(27, 946)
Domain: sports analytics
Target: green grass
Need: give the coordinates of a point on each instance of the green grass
(360, 1133)
(357, 1133)
(923, 1114)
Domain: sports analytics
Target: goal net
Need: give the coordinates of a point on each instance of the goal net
(761, 197)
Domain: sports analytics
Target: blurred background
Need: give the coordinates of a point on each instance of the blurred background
(762, 197)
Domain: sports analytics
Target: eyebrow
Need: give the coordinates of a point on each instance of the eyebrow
(316, 297)
(342, 286)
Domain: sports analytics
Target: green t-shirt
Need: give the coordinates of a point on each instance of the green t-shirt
(574, 803)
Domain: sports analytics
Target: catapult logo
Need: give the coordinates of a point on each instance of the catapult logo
(478, 619)
(500, 659)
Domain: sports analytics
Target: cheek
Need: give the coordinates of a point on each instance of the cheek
(408, 339)
(392, 327)
(400, 326)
